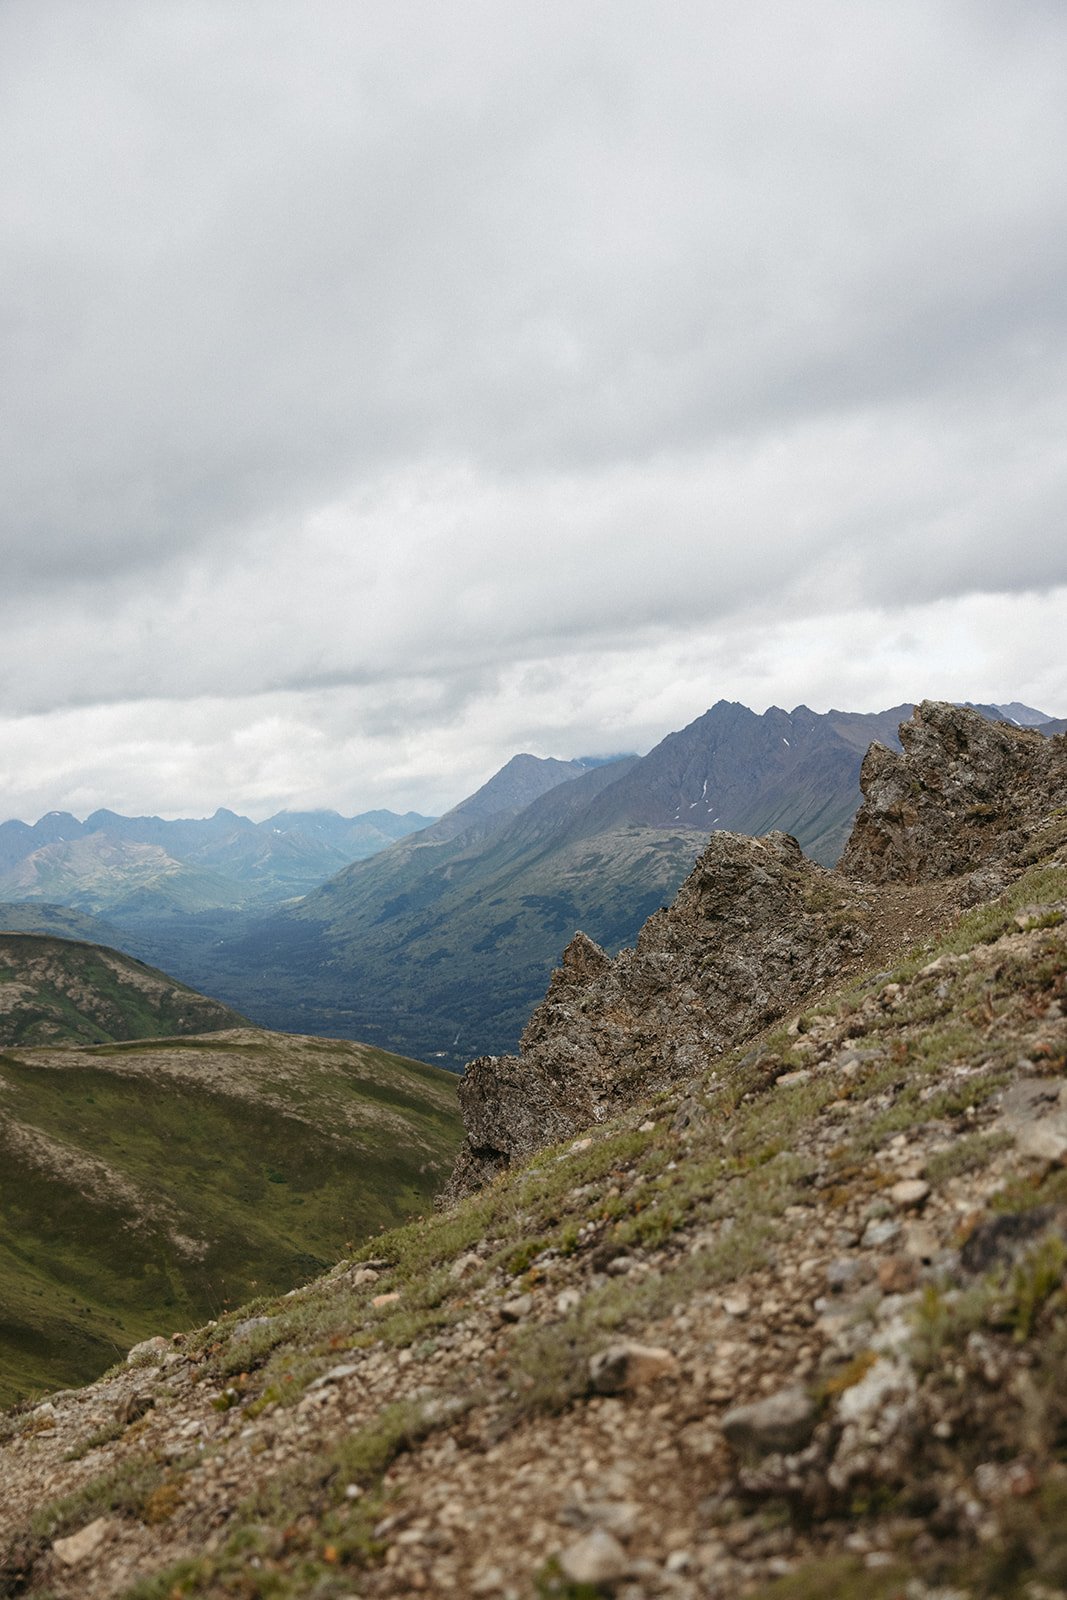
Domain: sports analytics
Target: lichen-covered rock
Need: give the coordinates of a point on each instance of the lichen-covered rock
(962, 795)
(754, 928)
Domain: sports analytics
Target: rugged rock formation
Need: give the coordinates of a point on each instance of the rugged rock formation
(964, 793)
(754, 928)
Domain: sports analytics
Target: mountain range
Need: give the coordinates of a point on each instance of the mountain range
(146, 865)
(438, 945)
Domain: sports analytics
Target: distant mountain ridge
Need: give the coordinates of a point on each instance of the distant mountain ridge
(222, 861)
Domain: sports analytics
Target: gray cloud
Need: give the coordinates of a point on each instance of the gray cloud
(387, 355)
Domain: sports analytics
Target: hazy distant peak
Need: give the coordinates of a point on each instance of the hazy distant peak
(520, 780)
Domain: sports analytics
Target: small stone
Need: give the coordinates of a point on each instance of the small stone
(386, 1299)
(620, 1266)
(490, 1580)
(842, 1272)
(462, 1267)
(897, 1274)
(567, 1300)
(519, 1306)
(617, 1517)
(909, 1194)
(920, 1242)
(780, 1424)
(596, 1558)
(147, 1350)
(628, 1366)
(877, 1233)
(647, 1127)
(886, 1377)
(335, 1375)
(80, 1545)
(133, 1408)
(250, 1325)
(736, 1305)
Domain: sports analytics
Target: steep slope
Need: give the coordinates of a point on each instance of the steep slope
(58, 990)
(795, 1327)
(157, 1182)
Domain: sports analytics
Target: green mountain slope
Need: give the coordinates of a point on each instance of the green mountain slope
(149, 1185)
(54, 990)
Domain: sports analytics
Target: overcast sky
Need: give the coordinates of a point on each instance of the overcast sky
(390, 387)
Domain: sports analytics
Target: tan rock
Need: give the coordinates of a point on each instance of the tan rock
(595, 1559)
(78, 1546)
(629, 1366)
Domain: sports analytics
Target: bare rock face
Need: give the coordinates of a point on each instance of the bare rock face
(964, 793)
(754, 927)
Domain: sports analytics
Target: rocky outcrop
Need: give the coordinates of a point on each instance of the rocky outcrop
(963, 794)
(754, 928)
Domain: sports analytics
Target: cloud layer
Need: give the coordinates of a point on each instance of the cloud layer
(392, 387)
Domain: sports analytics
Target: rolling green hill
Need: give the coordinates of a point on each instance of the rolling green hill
(148, 1185)
(54, 990)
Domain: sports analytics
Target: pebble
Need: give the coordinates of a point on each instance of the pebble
(910, 1193)
(596, 1558)
(518, 1307)
(335, 1375)
(462, 1267)
(241, 1330)
(878, 1233)
(780, 1424)
(146, 1349)
(629, 1366)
